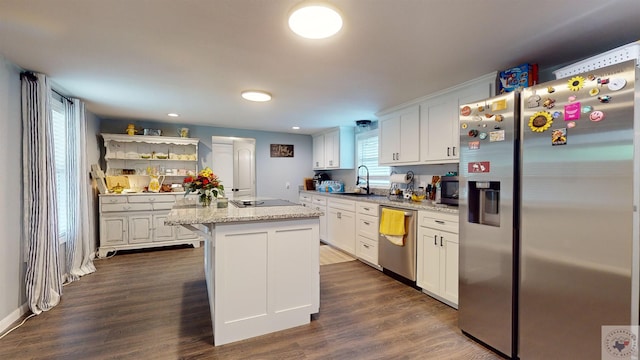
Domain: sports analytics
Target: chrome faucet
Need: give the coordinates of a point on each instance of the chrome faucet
(358, 177)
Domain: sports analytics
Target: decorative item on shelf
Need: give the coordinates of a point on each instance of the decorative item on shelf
(183, 132)
(206, 184)
(131, 130)
(153, 132)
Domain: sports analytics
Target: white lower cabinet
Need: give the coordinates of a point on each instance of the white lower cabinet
(438, 256)
(367, 221)
(320, 203)
(341, 224)
(136, 221)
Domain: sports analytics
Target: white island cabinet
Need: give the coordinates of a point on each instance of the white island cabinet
(262, 266)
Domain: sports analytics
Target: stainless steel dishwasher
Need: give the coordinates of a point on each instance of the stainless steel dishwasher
(400, 260)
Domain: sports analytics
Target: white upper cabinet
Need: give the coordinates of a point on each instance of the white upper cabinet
(400, 137)
(318, 151)
(334, 149)
(439, 130)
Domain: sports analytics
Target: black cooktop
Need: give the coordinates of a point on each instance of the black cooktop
(260, 203)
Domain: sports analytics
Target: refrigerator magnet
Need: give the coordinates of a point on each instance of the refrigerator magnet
(572, 111)
(464, 125)
(586, 109)
(591, 77)
(483, 135)
(596, 116)
(499, 105)
(571, 124)
(540, 121)
(465, 111)
(473, 133)
(576, 83)
(616, 84)
(594, 92)
(499, 118)
(559, 137)
(496, 136)
(474, 145)
(533, 101)
(557, 114)
(551, 89)
(604, 99)
(571, 98)
(549, 103)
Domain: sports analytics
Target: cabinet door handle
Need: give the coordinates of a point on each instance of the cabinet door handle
(366, 209)
(454, 151)
(448, 148)
(439, 222)
(365, 245)
(440, 240)
(366, 223)
(435, 240)
(397, 156)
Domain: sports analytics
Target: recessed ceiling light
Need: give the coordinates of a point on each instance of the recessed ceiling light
(173, 115)
(296, 127)
(315, 20)
(256, 95)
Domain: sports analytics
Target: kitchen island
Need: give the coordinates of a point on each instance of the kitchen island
(261, 266)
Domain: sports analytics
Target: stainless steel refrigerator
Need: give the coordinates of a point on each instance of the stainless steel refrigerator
(569, 201)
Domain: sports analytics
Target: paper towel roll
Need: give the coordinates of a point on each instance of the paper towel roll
(400, 178)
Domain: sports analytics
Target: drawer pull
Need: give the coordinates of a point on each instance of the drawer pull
(366, 223)
(366, 209)
(440, 222)
(365, 245)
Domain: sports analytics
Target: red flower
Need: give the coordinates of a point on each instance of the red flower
(205, 181)
(188, 179)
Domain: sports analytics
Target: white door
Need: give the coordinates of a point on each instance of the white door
(234, 163)
(244, 168)
(223, 165)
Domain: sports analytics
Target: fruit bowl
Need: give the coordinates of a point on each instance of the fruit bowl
(415, 197)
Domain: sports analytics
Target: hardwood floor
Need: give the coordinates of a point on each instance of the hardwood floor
(153, 305)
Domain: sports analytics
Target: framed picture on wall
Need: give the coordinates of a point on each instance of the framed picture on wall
(280, 150)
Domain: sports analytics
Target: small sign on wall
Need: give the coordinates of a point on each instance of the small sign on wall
(280, 150)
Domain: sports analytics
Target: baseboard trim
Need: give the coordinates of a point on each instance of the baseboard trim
(13, 317)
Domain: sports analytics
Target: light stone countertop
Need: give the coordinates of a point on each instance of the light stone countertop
(188, 211)
(384, 200)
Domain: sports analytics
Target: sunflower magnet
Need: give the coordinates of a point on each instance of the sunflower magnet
(540, 121)
(576, 83)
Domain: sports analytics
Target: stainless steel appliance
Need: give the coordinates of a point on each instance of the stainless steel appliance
(487, 174)
(400, 260)
(449, 190)
(549, 226)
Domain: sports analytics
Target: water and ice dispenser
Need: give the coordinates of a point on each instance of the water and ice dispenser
(484, 202)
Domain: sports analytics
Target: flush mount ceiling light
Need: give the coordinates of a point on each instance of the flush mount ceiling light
(172, 115)
(315, 20)
(256, 95)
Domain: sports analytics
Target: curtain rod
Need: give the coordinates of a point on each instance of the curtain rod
(62, 96)
(31, 76)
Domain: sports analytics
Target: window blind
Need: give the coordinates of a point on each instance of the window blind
(367, 154)
(58, 117)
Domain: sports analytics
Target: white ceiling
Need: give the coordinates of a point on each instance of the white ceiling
(141, 59)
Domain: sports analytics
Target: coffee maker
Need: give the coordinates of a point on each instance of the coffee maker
(319, 177)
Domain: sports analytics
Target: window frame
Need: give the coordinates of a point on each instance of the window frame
(378, 175)
(59, 125)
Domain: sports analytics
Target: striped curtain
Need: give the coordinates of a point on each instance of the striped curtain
(43, 280)
(80, 219)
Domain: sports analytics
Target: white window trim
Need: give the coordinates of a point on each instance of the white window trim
(381, 179)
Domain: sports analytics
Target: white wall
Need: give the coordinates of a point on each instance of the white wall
(12, 267)
(272, 174)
